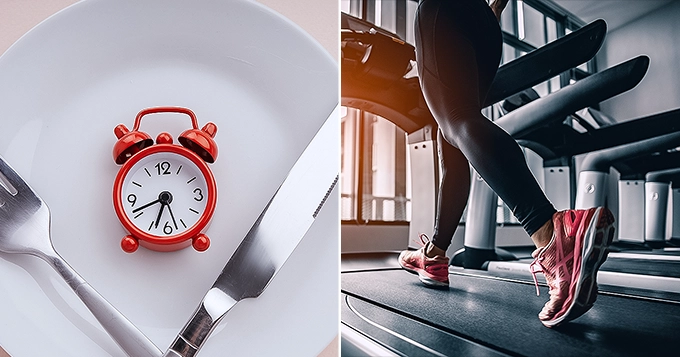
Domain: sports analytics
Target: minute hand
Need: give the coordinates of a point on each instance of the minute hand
(270, 241)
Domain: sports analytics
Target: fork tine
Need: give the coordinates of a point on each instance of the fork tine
(12, 177)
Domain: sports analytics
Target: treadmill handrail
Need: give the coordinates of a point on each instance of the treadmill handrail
(663, 176)
(586, 92)
(540, 149)
(570, 142)
(636, 168)
(601, 160)
(641, 128)
(548, 61)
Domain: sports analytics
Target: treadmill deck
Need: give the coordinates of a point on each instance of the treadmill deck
(485, 315)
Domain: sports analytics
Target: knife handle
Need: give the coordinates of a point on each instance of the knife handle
(189, 341)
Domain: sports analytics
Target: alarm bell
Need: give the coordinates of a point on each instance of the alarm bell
(129, 143)
(200, 141)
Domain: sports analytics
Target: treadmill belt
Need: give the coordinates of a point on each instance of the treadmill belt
(503, 315)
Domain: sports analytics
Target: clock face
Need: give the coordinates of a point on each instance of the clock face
(164, 194)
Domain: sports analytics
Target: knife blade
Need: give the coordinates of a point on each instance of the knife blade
(270, 241)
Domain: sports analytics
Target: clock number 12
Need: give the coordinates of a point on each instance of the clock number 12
(163, 168)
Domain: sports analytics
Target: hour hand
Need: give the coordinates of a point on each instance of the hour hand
(145, 206)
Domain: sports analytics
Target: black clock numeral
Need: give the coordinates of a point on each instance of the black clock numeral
(163, 168)
(167, 228)
(132, 199)
(197, 191)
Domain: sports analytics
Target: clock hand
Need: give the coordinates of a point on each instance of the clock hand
(145, 206)
(172, 216)
(160, 213)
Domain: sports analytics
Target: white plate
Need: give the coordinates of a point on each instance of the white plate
(68, 82)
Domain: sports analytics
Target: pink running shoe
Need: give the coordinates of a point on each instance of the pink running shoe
(570, 262)
(431, 271)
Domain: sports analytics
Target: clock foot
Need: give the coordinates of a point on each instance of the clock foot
(201, 242)
(129, 244)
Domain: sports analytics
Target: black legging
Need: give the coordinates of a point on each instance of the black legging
(458, 49)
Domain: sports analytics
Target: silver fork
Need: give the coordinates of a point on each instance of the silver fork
(25, 229)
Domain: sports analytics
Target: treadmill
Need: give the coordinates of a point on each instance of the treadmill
(387, 312)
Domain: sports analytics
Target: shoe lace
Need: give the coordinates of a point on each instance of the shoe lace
(424, 239)
(536, 266)
(533, 269)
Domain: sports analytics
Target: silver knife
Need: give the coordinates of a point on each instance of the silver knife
(271, 239)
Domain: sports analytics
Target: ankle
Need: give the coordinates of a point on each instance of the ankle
(543, 235)
(432, 251)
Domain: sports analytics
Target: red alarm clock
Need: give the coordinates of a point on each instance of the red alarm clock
(165, 193)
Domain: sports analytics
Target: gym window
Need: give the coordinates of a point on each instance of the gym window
(374, 163)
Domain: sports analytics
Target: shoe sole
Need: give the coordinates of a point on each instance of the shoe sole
(421, 275)
(594, 252)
